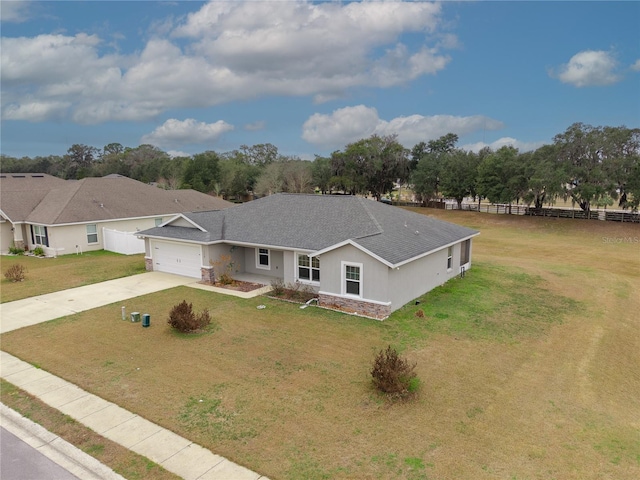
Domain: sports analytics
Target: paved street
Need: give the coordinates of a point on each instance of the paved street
(20, 461)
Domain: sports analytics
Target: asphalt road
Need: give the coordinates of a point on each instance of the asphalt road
(19, 461)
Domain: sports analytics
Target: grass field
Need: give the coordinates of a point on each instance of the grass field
(529, 367)
(46, 275)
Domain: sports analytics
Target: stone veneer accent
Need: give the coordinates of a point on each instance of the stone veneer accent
(353, 305)
(148, 264)
(207, 275)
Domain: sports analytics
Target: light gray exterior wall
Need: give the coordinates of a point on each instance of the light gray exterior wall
(289, 268)
(276, 263)
(418, 277)
(374, 274)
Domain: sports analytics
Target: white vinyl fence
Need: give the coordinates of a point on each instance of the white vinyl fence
(122, 242)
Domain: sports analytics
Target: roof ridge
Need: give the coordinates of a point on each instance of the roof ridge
(75, 185)
(371, 216)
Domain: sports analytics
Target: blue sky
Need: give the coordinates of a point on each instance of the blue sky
(311, 77)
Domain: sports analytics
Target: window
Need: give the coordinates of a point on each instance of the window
(262, 258)
(308, 268)
(39, 235)
(465, 250)
(158, 222)
(92, 234)
(352, 279)
(449, 258)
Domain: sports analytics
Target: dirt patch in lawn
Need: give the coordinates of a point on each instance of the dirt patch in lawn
(529, 367)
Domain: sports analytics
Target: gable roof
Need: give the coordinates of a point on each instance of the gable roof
(98, 199)
(320, 223)
(20, 193)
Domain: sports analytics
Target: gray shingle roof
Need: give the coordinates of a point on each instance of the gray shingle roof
(317, 222)
(52, 201)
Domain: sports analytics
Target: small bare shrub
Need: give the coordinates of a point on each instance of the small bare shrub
(15, 273)
(277, 287)
(223, 269)
(393, 374)
(419, 314)
(183, 319)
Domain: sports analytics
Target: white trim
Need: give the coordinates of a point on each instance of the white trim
(353, 244)
(352, 297)
(404, 262)
(105, 220)
(258, 264)
(92, 233)
(449, 258)
(296, 267)
(343, 279)
(180, 215)
(382, 260)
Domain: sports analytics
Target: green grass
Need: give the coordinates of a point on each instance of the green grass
(46, 275)
(491, 302)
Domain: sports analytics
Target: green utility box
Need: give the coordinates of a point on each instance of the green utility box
(135, 316)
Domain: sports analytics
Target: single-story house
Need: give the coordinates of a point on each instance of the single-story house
(73, 216)
(357, 254)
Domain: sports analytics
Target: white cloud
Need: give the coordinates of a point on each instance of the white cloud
(502, 142)
(589, 68)
(178, 153)
(36, 111)
(252, 127)
(189, 131)
(349, 124)
(227, 51)
(636, 66)
(15, 11)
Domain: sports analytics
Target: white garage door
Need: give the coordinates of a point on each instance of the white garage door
(177, 258)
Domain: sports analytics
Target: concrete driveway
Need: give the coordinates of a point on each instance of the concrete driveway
(30, 311)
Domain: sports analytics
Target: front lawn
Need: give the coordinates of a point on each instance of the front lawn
(528, 367)
(46, 275)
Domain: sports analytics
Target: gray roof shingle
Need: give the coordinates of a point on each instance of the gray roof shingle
(317, 222)
(47, 200)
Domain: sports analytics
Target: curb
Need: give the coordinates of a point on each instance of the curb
(80, 464)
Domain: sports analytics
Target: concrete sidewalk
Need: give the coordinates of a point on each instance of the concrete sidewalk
(174, 453)
(171, 451)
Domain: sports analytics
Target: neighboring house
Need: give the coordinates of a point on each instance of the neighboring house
(73, 216)
(357, 254)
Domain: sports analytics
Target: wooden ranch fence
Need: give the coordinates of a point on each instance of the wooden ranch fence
(612, 216)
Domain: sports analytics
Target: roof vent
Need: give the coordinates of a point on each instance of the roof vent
(102, 206)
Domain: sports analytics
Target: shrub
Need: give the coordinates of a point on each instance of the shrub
(223, 269)
(15, 250)
(38, 252)
(183, 319)
(277, 287)
(393, 374)
(15, 273)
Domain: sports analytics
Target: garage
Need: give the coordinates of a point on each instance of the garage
(177, 258)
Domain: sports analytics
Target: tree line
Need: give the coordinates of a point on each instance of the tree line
(591, 166)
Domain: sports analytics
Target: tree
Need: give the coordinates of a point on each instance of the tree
(459, 175)
(378, 161)
(597, 161)
(261, 154)
(426, 174)
(78, 161)
(270, 180)
(202, 172)
(297, 176)
(501, 176)
(321, 173)
(543, 175)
